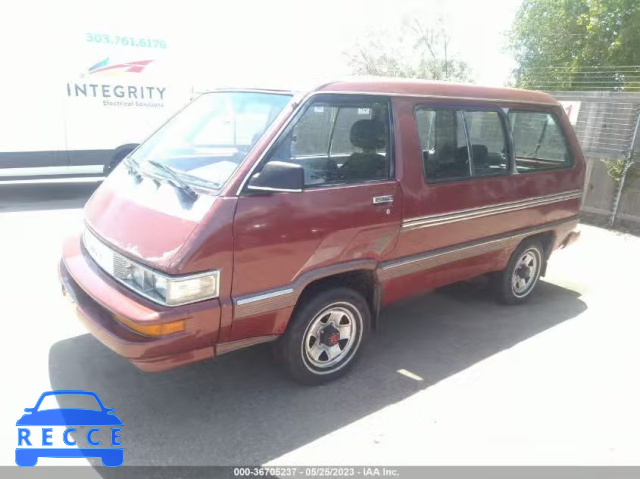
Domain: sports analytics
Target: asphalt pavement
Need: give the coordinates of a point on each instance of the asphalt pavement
(451, 377)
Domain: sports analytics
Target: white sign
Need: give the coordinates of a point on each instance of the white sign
(572, 108)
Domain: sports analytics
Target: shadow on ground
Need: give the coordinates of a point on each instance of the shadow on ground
(239, 408)
(45, 196)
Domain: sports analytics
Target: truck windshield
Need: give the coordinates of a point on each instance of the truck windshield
(210, 137)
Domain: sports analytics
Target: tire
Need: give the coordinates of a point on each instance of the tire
(516, 284)
(323, 321)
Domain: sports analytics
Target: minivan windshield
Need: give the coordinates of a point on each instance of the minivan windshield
(212, 135)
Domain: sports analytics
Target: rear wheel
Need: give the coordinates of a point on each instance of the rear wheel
(325, 335)
(517, 282)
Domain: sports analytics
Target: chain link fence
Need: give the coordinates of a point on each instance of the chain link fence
(606, 124)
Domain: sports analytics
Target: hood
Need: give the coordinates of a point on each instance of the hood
(145, 220)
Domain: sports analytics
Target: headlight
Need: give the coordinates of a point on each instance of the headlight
(158, 287)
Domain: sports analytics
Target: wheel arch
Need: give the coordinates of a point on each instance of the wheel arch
(363, 280)
(547, 240)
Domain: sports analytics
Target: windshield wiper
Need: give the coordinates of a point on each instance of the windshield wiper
(200, 182)
(133, 167)
(179, 182)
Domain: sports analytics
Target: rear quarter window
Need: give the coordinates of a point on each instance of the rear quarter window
(539, 141)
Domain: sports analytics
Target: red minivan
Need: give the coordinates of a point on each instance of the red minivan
(262, 215)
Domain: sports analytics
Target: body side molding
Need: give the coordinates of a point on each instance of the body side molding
(480, 212)
(287, 295)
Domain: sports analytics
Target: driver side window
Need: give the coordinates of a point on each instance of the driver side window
(339, 143)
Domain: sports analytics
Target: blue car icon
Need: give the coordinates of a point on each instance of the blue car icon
(28, 456)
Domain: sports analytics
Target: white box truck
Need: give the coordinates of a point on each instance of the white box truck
(75, 101)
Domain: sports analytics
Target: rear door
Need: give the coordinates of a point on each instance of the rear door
(465, 166)
(32, 119)
(350, 208)
(32, 126)
(456, 162)
(467, 188)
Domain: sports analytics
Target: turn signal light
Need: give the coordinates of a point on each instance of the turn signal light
(154, 330)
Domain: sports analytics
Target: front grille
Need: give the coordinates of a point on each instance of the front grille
(99, 252)
(120, 267)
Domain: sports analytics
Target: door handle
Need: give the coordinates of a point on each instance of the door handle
(379, 200)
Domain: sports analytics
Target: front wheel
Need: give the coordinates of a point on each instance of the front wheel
(325, 335)
(517, 282)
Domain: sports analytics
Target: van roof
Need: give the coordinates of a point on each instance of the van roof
(410, 87)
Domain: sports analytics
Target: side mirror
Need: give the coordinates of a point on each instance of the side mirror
(278, 176)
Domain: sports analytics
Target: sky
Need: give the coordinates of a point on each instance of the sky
(277, 43)
(305, 41)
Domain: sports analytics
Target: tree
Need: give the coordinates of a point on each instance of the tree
(415, 50)
(577, 44)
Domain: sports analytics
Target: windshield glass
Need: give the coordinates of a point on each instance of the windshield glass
(210, 137)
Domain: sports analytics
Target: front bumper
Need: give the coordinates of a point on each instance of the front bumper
(99, 300)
